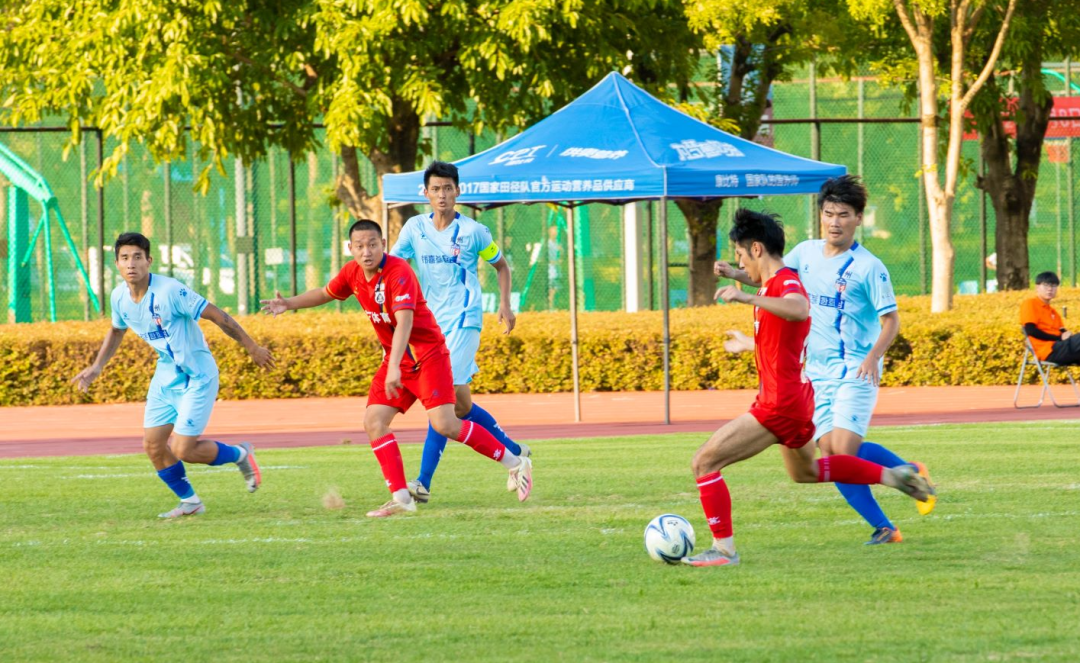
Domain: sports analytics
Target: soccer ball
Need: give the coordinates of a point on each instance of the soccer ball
(669, 538)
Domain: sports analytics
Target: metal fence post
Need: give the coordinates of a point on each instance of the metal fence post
(982, 230)
(292, 225)
(813, 223)
(167, 170)
(84, 215)
(101, 225)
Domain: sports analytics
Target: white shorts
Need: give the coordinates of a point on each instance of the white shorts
(846, 403)
(184, 402)
(463, 344)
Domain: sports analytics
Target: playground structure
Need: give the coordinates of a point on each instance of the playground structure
(26, 183)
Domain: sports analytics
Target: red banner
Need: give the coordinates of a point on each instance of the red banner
(1064, 107)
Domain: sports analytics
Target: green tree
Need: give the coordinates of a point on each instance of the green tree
(1041, 30)
(249, 74)
(940, 33)
(758, 43)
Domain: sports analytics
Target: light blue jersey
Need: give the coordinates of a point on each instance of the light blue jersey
(848, 295)
(167, 319)
(446, 261)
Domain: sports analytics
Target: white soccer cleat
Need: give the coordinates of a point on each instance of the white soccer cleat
(511, 481)
(522, 477)
(249, 468)
(393, 508)
(185, 509)
(418, 491)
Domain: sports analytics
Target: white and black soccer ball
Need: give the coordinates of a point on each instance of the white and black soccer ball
(669, 538)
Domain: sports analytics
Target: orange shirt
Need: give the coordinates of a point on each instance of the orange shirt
(1046, 319)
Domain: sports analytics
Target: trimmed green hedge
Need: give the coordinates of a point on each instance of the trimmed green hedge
(330, 354)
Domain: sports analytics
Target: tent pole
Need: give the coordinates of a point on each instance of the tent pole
(664, 303)
(572, 273)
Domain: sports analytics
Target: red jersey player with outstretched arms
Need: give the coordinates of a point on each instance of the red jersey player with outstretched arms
(415, 366)
(783, 411)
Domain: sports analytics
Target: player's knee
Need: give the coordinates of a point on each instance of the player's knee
(462, 409)
(447, 426)
(185, 452)
(704, 463)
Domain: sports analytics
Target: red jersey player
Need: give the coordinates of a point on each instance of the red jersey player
(416, 363)
(783, 411)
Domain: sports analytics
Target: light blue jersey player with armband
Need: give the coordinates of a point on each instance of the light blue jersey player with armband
(165, 313)
(446, 247)
(854, 320)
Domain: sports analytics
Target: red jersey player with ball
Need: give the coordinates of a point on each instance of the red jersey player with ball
(784, 408)
(416, 363)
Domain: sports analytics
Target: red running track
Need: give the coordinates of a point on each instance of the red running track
(79, 430)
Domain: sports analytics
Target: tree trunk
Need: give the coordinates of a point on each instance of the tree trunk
(1012, 192)
(701, 221)
(400, 156)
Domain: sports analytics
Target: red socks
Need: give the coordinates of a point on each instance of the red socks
(388, 454)
(848, 469)
(716, 501)
(481, 441)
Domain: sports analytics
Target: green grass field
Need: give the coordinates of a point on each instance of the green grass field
(89, 573)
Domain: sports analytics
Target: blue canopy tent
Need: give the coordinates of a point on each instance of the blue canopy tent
(617, 144)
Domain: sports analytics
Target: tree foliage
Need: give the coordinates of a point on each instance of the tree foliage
(251, 74)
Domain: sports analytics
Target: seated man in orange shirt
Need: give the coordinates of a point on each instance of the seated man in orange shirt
(1043, 324)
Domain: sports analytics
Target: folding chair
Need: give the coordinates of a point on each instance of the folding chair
(1044, 368)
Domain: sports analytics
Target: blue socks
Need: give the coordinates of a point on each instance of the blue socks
(433, 448)
(479, 415)
(226, 454)
(176, 479)
(875, 453)
(434, 444)
(859, 497)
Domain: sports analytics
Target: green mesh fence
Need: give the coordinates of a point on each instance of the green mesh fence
(196, 239)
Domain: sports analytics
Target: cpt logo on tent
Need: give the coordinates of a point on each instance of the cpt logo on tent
(517, 157)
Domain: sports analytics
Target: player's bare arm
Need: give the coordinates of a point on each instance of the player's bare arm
(792, 306)
(231, 328)
(728, 271)
(398, 345)
(310, 299)
(738, 342)
(108, 348)
(506, 314)
(870, 368)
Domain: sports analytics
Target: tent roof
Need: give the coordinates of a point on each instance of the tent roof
(617, 143)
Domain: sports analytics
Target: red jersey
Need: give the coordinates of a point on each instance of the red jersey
(780, 351)
(393, 288)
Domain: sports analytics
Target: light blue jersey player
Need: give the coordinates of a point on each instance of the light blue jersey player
(446, 248)
(854, 320)
(165, 313)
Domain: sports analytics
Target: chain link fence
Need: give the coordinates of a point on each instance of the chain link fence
(206, 241)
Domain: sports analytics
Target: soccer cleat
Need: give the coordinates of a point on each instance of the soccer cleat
(393, 508)
(184, 509)
(912, 484)
(249, 468)
(522, 477)
(511, 482)
(926, 507)
(885, 535)
(712, 557)
(418, 492)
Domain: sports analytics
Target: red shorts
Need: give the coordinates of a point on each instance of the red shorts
(792, 433)
(431, 381)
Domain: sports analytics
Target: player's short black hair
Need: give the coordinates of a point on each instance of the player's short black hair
(131, 239)
(846, 189)
(750, 226)
(1047, 277)
(441, 169)
(364, 224)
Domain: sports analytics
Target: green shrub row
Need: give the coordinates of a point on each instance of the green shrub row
(329, 354)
